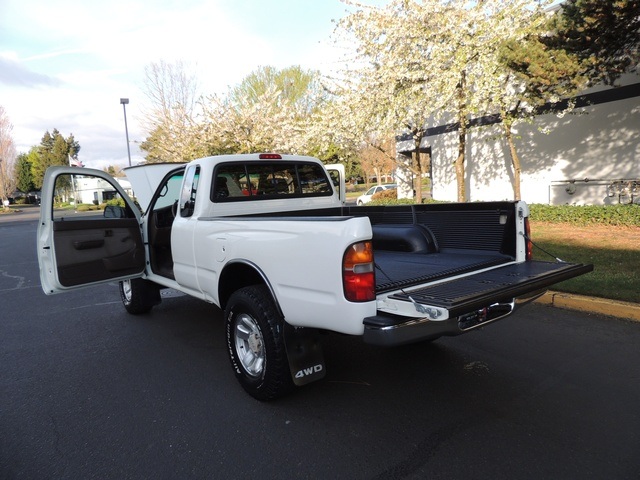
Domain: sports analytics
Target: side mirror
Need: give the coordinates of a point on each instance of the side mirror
(114, 211)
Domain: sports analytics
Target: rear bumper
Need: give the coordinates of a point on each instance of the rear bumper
(391, 330)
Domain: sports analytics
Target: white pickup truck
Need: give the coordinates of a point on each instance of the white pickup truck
(268, 239)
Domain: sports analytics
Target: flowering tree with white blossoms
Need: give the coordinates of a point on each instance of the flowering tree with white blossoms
(258, 126)
(421, 61)
(269, 111)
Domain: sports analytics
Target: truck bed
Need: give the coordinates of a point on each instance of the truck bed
(396, 270)
(420, 244)
(437, 243)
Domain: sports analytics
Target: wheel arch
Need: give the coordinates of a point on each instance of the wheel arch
(242, 273)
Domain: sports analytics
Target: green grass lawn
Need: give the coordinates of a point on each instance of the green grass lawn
(614, 252)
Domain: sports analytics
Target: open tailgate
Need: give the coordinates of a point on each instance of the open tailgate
(502, 284)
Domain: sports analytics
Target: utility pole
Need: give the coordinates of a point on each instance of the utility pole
(124, 102)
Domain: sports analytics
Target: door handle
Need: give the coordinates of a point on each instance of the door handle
(87, 244)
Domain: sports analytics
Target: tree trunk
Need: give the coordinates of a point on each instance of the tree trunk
(462, 135)
(430, 169)
(459, 164)
(515, 161)
(376, 171)
(417, 139)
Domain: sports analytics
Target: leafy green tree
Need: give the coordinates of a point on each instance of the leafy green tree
(603, 34)
(152, 145)
(54, 149)
(24, 177)
(536, 77)
(114, 171)
(73, 147)
(295, 86)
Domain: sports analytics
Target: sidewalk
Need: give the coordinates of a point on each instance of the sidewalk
(20, 213)
(603, 306)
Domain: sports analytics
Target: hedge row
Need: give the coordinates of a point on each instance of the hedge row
(584, 215)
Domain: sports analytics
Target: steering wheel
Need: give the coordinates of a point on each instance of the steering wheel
(174, 209)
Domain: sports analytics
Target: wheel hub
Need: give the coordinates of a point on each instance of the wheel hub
(126, 289)
(255, 343)
(249, 345)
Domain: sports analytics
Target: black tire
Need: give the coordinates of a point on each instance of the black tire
(256, 345)
(139, 296)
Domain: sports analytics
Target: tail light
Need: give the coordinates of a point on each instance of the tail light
(358, 276)
(527, 239)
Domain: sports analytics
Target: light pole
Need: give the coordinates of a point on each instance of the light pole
(124, 102)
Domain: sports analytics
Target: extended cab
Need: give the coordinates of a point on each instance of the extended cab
(269, 240)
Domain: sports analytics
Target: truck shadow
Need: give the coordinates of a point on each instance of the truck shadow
(422, 372)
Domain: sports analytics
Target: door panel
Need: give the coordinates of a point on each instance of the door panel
(94, 250)
(80, 241)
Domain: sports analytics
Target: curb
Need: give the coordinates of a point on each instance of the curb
(603, 306)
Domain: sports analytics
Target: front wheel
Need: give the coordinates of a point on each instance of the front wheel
(139, 296)
(256, 345)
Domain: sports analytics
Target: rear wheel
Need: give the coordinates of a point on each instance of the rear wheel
(138, 295)
(256, 346)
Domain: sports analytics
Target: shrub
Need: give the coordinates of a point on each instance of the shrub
(584, 215)
(391, 201)
(116, 202)
(86, 207)
(390, 197)
(390, 194)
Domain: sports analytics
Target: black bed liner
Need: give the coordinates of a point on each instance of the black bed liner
(499, 285)
(396, 270)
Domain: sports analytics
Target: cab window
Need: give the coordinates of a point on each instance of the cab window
(269, 180)
(86, 196)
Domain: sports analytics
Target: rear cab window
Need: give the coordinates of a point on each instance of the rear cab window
(238, 181)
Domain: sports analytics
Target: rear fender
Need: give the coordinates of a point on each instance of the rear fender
(238, 274)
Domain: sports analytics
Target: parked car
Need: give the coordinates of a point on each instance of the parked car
(366, 197)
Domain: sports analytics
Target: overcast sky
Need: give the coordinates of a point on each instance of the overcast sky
(65, 64)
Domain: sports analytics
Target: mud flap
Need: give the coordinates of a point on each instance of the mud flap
(149, 293)
(304, 353)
